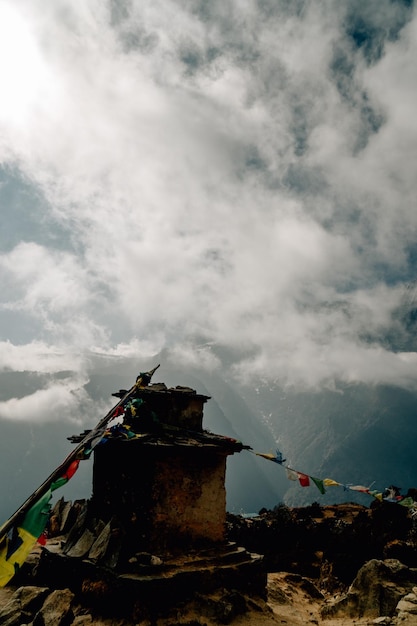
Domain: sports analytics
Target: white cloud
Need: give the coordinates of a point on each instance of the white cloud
(45, 279)
(215, 181)
(37, 357)
(147, 348)
(60, 401)
(189, 355)
(25, 76)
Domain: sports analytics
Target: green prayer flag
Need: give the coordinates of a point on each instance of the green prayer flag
(37, 517)
(319, 484)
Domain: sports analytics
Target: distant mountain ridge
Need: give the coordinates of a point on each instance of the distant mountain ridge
(359, 434)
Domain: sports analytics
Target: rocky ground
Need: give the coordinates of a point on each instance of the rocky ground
(291, 601)
(310, 554)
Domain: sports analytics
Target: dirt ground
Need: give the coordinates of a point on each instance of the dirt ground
(292, 606)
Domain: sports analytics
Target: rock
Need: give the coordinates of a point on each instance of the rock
(305, 584)
(23, 605)
(411, 597)
(408, 603)
(56, 610)
(83, 620)
(146, 559)
(278, 596)
(79, 510)
(106, 548)
(99, 548)
(225, 608)
(83, 545)
(13, 616)
(143, 558)
(407, 607)
(375, 592)
(405, 619)
(310, 589)
(66, 517)
(382, 620)
(31, 598)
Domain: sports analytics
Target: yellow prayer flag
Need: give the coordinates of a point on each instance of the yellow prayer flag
(269, 456)
(329, 482)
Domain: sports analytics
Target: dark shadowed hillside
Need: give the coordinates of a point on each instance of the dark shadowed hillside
(358, 434)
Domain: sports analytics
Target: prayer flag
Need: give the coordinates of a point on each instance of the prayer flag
(376, 494)
(276, 458)
(291, 474)
(319, 484)
(19, 541)
(270, 456)
(360, 488)
(303, 479)
(408, 502)
(17, 544)
(60, 482)
(329, 482)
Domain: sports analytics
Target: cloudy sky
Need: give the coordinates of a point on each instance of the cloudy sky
(207, 177)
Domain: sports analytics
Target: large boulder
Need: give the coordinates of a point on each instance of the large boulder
(375, 592)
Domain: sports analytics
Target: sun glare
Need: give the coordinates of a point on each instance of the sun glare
(23, 73)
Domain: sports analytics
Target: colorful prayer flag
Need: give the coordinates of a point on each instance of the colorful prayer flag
(60, 482)
(329, 482)
(376, 494)
(19, 541)
(269, 457)
(360, 488)
(304, 479)
(276, 458)
(408, 502)
(319, 484)
(291, 474)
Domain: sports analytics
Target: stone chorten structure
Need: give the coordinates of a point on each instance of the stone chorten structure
(165, 478)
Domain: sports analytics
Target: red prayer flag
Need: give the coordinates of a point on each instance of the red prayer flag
(118, 411)
(72, 468)
(304, 479)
